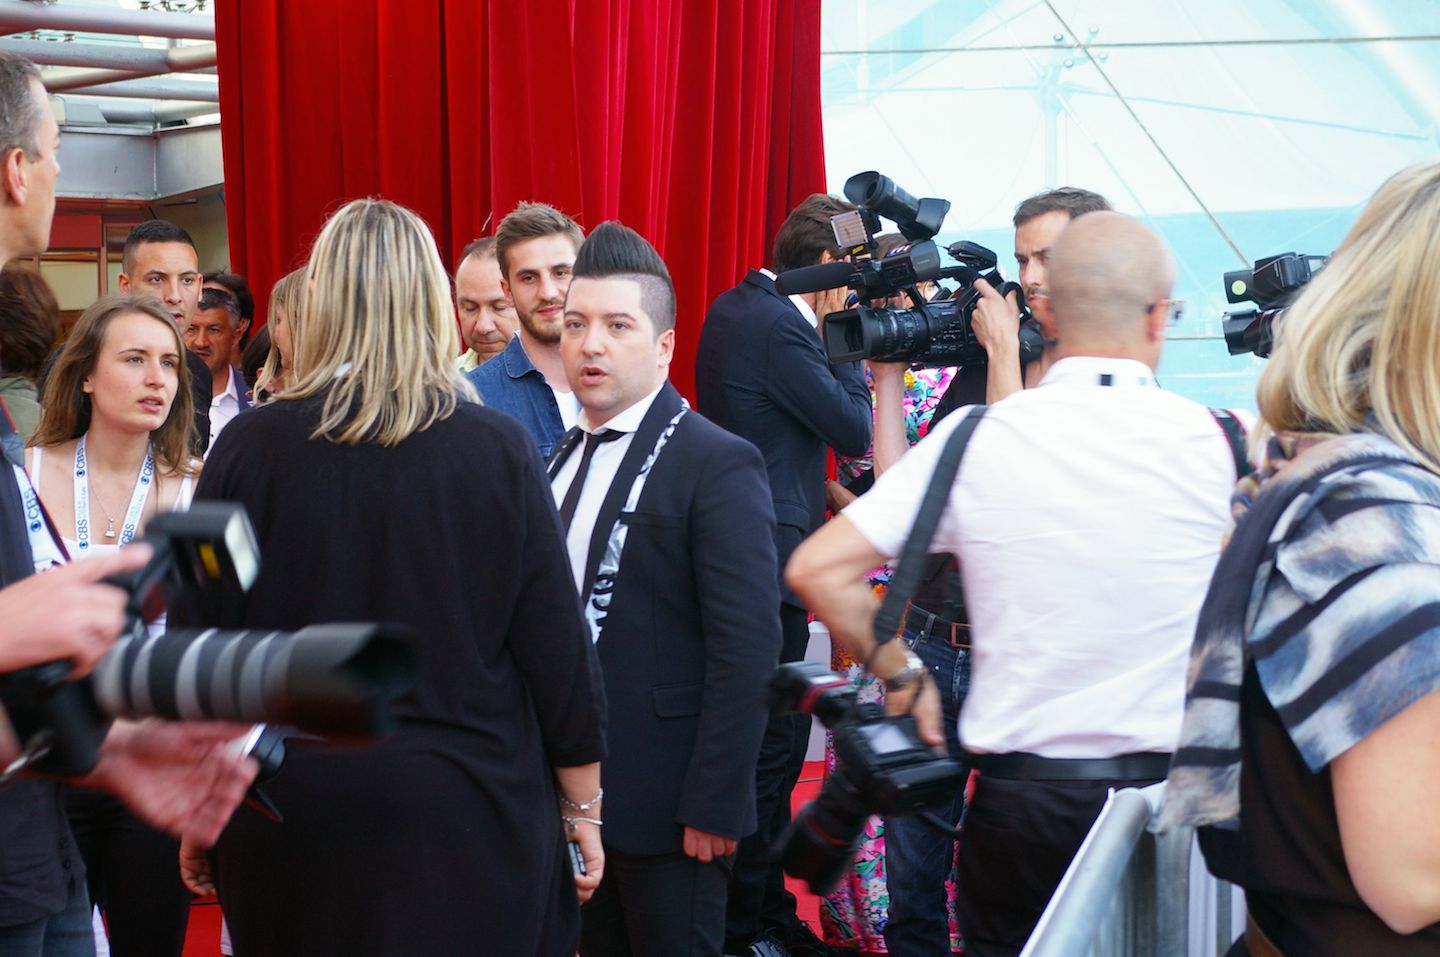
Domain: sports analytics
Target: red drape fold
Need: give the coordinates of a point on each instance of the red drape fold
(696, 123)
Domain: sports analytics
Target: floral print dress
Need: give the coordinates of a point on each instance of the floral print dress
(854, 914)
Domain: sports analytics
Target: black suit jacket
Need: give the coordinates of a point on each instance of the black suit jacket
(761, 373)
(691, 635)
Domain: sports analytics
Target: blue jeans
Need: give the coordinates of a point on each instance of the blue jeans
(66, 934)
(917, 857)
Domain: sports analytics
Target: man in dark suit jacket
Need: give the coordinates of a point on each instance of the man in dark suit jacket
(669, 528)
(761, 372)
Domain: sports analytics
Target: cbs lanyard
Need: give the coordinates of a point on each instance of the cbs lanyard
(82, 500)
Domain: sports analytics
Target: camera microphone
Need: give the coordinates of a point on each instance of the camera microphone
(814, 278)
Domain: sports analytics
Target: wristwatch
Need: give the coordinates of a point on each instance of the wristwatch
(913, 671)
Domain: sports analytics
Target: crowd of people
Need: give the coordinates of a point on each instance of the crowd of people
(598, 580)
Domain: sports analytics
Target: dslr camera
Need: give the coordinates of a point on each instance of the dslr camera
(881, 767)
(936, 333)
(335, 679)
(1270, 285)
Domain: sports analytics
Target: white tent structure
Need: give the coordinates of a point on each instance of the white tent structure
(1238, 129)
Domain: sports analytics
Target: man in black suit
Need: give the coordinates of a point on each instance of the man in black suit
(761, 372)
(669, 527)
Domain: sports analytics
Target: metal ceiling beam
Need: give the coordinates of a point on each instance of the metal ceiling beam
(18, 16)
(178, 60)
(99, 111)
(136, 59)
(203, 91)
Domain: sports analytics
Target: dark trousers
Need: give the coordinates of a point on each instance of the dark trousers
(1020, 836)
(655, 906)
(759, 901)
(918, 858)
(134, 876)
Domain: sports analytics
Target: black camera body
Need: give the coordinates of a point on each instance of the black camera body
(882, 767)
(334, 679)
(937, 333)
(1271, 285)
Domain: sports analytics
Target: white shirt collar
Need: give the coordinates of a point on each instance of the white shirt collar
(800, 304)
(230, 389)
(1093, 370)
(628, 420)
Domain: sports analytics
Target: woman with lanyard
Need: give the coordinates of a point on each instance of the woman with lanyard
(111, 451)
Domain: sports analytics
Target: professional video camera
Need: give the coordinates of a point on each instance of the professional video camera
(881, 767)
(332, 679)
(1271, 285)
(934, 333)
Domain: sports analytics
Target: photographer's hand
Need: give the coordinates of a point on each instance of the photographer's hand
(826, 302)
(996, 324)
(66, 613)
(180, 777)
(920, 700)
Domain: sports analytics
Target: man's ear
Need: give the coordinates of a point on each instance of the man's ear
(14, 178)
(1157, 318)
(666, 343)
(122, 282)
(826, 257)
(1041, 309)
(505, 288)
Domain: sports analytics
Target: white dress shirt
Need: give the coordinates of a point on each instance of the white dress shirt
(1087, 519)
(223, 408)
(603, 466)
(800, 303)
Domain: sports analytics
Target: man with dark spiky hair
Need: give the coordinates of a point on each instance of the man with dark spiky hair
(670, 532)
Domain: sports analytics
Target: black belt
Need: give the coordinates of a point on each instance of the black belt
(927, 625)
(1020, 766)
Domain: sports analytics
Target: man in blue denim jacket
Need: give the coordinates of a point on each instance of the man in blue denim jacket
(535, 246)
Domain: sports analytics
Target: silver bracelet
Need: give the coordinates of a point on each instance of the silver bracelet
(570, 822)
(582, 807)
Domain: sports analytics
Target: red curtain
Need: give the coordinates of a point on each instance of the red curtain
(695, 122)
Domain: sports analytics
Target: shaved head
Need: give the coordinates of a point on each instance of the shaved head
(1106, 273)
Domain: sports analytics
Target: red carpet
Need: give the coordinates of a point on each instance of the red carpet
(203, 937)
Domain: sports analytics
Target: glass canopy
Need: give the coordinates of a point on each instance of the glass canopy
(1236, 129)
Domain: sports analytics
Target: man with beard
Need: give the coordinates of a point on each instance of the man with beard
(535, 246)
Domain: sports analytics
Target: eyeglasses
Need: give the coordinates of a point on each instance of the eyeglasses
(1174, 309)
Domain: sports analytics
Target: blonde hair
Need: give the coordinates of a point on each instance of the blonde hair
(287, 296)
(65, 406)
(1363, 338)
(378, 329)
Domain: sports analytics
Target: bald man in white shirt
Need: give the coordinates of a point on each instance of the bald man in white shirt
(1087, 516)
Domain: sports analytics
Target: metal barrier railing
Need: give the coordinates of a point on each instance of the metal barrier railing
(1130, 893)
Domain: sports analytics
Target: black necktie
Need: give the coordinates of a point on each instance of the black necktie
(572, 494)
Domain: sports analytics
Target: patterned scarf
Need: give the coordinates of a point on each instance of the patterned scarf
(597, 606)
(1301, 470)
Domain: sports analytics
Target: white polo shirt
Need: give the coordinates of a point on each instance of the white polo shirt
(1087, 518)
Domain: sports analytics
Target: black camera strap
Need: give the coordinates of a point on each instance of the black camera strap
(913, 559)
(1234, 431)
